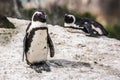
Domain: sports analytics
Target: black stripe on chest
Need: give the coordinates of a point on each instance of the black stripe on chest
(31, 35)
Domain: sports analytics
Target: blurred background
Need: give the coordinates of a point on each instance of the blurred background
(106, 12)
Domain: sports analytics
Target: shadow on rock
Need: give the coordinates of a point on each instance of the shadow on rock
(61, 63)
(39, 67)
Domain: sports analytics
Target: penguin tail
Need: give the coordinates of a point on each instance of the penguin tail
(106, 33)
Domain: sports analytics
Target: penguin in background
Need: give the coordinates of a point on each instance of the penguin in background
(91, 27)
(37, 42)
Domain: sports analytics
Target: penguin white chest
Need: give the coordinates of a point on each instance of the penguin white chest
(39, 49)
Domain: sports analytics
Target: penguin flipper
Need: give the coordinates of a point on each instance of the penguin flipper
(88, 29)
(96, 24)
(24, 45)
(51, 46)
(28, 26)
(24, 41)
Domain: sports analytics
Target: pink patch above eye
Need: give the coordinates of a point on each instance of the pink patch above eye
(39, 14)
(69, 16)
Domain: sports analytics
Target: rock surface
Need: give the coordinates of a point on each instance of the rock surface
(77, 57)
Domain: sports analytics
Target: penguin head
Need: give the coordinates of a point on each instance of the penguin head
(68, 18)
(39, 16)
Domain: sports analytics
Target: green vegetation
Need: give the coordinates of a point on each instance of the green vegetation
(84, 15)
(9, 25)
(88, 15)
(28, 13)
(5, 23)
(56, 14)
(114, 31)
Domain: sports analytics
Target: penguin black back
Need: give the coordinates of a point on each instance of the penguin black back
(92, 27)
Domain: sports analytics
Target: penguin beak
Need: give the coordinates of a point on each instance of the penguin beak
(43, 17)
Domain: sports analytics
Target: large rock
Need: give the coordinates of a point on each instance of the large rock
(77, 57)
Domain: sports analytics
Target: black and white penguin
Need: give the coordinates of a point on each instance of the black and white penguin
(37, 42)
(89, 26)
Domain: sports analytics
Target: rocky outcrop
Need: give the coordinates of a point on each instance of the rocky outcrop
(77, 57)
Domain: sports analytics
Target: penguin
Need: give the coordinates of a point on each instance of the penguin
(89, 26)
(37, 42)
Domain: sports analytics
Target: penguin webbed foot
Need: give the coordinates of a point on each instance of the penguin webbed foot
(39, 67)
(36, 68)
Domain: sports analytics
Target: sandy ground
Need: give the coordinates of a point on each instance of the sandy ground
(77, 57)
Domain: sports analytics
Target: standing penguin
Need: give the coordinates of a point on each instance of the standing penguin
(36, 43)
(89, 26)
